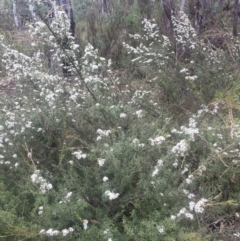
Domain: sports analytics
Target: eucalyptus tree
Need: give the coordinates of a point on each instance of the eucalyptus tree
(30, 10)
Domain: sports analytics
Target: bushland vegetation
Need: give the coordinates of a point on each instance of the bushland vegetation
(137, 140)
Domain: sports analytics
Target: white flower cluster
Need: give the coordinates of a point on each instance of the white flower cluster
(52, 232)
(188, 194)
(105, 179)
(139, 113)
(40, 210)
(150, 28)
(146, 51)
(188, 76)
(101, 162)
(69, 194)
(102, 133)
(237, 235)
(60, 26)
(136, 142)
(123, 115)
(156, 170)
(199, 206)
(157, 140)
(92, 65)
(108, 234)
(189, 179)
(191, 131)
(160, 229)
(85, 224)
(66, 198)
(185, 34)
(111, 195)
(44, 185)
(185, 213)
(79, 154)
(181, 148)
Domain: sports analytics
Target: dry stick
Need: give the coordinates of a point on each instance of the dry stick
(29, 154)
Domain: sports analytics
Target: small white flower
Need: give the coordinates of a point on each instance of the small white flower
(157, 140)
(189, 215)
(85, 224)
(49, 186)
(123, 115)
(190, 195)
(51, 232)
(28, 125)
(160, 229)
(42, 231)
(105, 179)
(155, 172)
(191, 206)
(79, 155)
(175, 164)
(69, 194)
(65, 232)
(139, 113)
(135, 141)
(101, 162)
(199, 207)
(70, 229)
(188, 180)
(14, 155)
(184, 70)
(111, 195)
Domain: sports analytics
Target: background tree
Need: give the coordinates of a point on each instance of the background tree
(235, 19)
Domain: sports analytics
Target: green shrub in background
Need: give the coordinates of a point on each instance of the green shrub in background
(86, 157)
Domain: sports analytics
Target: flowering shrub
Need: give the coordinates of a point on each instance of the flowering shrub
(82, 160)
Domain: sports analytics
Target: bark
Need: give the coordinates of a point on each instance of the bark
(100, 7)
(168, 6)
(184, 5)
(31, 8)
(104, 6)
(235, 19)
(16, 14)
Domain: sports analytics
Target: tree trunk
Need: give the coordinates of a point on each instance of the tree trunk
(235, 19)
(184, 5)
(16, 14)
(169, 9)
